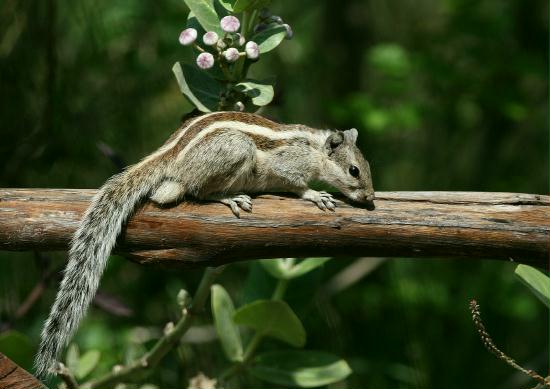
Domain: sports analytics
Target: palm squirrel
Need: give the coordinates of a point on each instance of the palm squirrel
(218, 156)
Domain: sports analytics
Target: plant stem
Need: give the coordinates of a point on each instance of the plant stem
(66, 376)
(166, 342)
(280, 290)
(278, 294)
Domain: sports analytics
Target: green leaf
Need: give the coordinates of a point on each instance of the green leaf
(223, 311)
(202, 90)
(535, 280)
(279, 268)
(72, 358)
(269, 38)
(205, 14)
(227, 4)
(273, 318)
(261, 92)
(249, 5)
(87, 363)
(287, 269)
(306, 266)
(18, 347)
(306, 369)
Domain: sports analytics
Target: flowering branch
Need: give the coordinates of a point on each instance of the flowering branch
(224, 58)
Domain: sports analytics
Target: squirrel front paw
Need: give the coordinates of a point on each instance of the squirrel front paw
(323, 200)
(237, 203)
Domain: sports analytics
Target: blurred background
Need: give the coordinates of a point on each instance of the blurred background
(448, 95)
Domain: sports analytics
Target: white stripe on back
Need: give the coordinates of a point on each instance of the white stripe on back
(318, 138)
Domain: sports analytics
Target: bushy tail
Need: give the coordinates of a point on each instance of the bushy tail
(90, 247)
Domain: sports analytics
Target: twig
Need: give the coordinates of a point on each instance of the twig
(169, 340)
(66, 376)
(34, 295)
(489, 345)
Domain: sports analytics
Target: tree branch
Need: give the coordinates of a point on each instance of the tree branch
(505, 226)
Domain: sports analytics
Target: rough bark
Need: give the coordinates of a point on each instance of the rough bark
(505, 226)
(14, 377)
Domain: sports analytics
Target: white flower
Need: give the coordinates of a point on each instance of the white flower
(252, 50)
(289, 32)
(230, 24)
(210, 38)
(205, 60)
(231, 54)
(188, 36)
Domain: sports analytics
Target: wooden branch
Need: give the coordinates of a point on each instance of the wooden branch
(505, 226)
(14, 377)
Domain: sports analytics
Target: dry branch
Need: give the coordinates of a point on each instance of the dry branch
(14, 377)
(506, 226)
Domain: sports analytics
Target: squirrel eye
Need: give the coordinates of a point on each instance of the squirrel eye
(354, 171)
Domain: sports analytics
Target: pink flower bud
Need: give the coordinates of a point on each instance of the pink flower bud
(289, 32)
(231, 54)
(188, 36)
(230, 24)
(210, 38)
(205, 60)
(252, 50)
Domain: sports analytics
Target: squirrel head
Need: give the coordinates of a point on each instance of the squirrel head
(347, 169)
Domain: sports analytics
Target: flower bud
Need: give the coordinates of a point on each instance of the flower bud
(188, 36)
(231, 54)
(230, 24)
(210, 38)
(239, 106)
(275, 19)
(252, 50)
(289, 32)
(221, 44)
(183, 298)
(241, 40)
(205, 60)
(168, 328)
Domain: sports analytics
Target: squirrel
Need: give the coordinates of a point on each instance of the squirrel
(218, 156)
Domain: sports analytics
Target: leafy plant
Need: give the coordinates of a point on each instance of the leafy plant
(228, 36)
(535, 280)
(274, 318)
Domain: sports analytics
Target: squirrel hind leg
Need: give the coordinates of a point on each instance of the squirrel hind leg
(168, 192)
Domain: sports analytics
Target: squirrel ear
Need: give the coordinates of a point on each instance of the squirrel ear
(333, 141)
(351, 135)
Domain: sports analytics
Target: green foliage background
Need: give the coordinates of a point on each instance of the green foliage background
(448, 95)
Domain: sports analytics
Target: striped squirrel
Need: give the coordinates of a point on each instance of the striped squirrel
(217, 156)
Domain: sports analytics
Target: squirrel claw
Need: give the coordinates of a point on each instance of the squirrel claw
(323, 200)
(237, 203)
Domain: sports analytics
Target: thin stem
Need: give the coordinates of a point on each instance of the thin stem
(252, 346)
(256, 340)
(166, 342)
(280, 290)
(66, 376)
(489, 345)
(198, 48)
